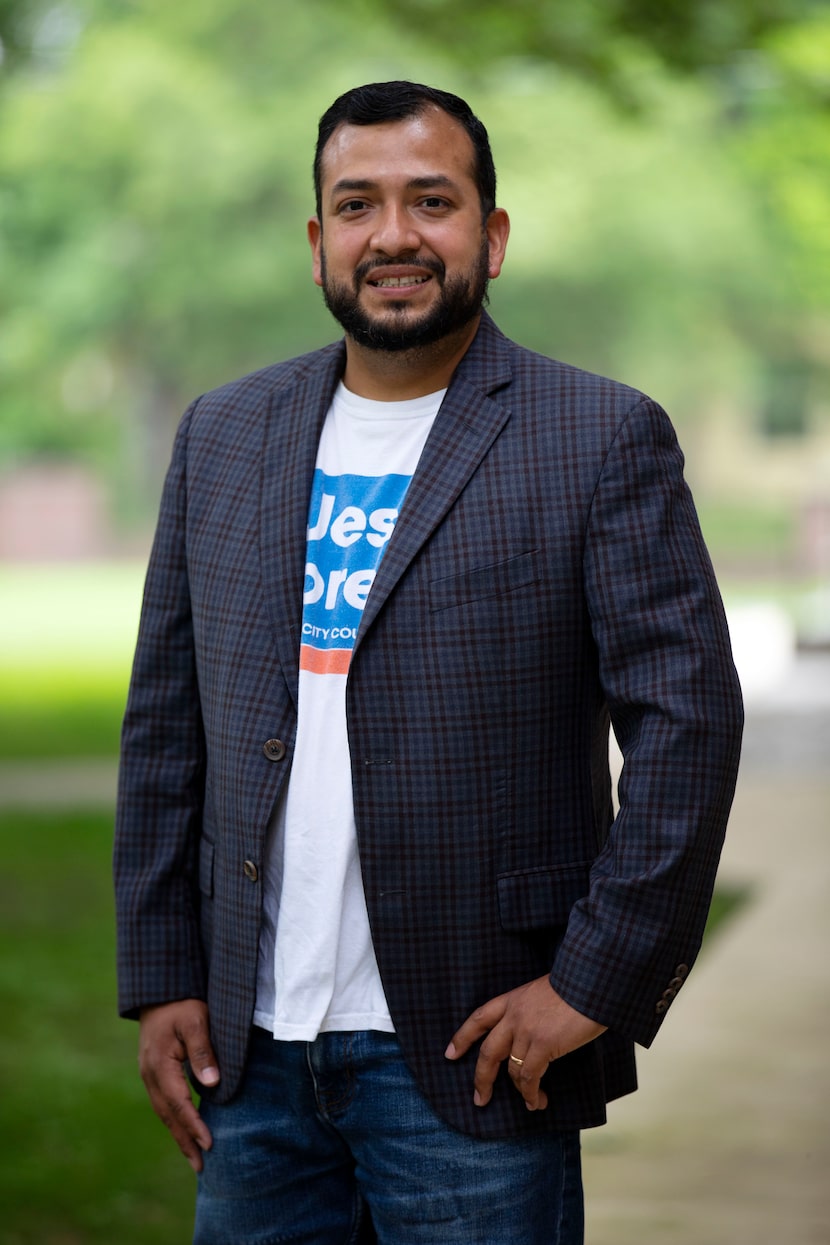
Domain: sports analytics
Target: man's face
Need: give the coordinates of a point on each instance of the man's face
(400, 249)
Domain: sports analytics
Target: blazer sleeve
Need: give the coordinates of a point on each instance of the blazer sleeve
(161, 777)
(675, 704)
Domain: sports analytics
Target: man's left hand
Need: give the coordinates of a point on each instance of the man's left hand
(534, 1025)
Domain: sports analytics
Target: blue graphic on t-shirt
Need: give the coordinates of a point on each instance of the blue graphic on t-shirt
(351, 519)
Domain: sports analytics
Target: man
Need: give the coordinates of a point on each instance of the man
(371, 888)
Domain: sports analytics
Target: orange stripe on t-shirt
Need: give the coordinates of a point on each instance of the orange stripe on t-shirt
(325, 660)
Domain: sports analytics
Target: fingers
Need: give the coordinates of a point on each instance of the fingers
(501, 1046)
(481, 1021)
(526, 1072)
(534, 1025)
(495, 1019)
(170, 1035)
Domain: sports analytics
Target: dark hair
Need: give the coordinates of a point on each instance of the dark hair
(398, 101)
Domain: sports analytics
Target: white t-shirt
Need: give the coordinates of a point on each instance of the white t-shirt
(317, 970)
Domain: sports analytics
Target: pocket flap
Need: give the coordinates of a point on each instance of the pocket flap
(537, 898)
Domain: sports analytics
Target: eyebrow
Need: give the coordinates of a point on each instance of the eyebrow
(432, 181)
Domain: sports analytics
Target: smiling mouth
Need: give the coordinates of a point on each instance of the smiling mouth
(397, 282)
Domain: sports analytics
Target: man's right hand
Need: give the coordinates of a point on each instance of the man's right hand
(170, 1034)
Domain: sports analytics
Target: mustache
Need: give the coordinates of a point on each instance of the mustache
(368, 266)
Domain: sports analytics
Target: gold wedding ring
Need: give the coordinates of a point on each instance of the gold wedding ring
(518, 1062)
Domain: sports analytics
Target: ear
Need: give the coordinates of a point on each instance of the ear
(315, 238)
(498, 231)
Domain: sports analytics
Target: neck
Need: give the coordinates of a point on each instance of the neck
(395, 376)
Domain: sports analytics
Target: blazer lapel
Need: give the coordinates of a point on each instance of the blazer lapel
(465, 427)
(294, 421)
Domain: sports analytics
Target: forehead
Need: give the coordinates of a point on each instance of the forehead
(431, 143)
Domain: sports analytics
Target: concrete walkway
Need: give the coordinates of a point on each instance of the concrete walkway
(727, 1141)
(57, 784)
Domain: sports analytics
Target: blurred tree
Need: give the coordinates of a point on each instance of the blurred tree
(155, 177)
(12, 35)
(148, 186)
(781, 139)
(36, 33)
(765, 67)
(603, 41)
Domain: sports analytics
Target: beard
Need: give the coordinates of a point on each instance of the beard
(460, 301)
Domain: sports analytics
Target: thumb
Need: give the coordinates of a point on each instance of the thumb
(196, 1039)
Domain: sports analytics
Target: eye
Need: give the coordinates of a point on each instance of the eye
(434, 201)
(352, 205)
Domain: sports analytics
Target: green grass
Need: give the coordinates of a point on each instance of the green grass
(55, 713)
(727, 902)
(85, 1162)
(66, 613)
(66, 640)
(751, 531)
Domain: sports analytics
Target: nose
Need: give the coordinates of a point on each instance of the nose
(394, 232)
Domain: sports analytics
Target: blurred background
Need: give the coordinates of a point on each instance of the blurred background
(666, 167)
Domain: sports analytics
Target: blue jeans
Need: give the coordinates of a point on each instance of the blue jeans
(332, 1143)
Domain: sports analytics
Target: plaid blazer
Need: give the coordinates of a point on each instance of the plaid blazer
(546, 573)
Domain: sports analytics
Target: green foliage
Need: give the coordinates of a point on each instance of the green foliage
(155, 180)
(606, 42)
(786, 152)
(635, 274)
(153, 194)
(15, 32)
(599, 39)
(142, 231)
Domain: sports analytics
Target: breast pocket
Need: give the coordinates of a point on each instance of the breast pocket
(481, 582)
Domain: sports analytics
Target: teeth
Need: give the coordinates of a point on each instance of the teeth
(396, 281)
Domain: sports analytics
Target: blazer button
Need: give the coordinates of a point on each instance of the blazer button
(661, 1007)
(274, 749)
(250, 870)
(682, 970)
(676, 983)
